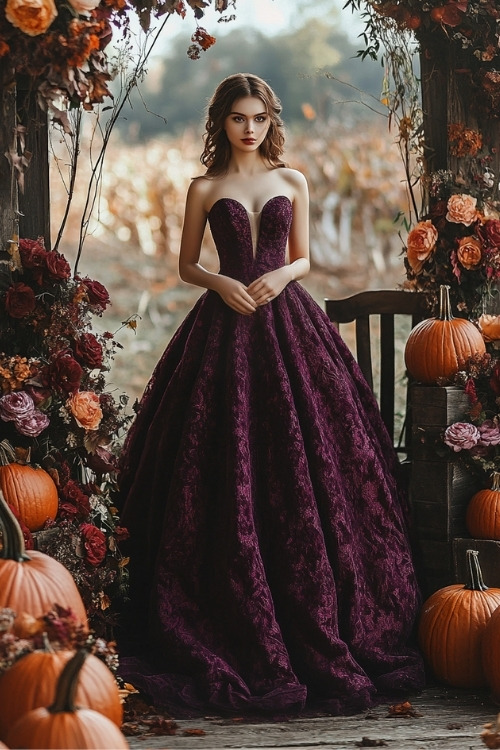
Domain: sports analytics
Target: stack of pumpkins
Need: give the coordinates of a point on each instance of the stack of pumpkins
(50, 699)
(459, 627)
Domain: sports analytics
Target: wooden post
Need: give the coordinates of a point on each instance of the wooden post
(34, 201)
(7, 216)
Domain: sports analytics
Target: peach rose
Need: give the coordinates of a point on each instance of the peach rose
(32, 17)
(84, 6)
(469, 252)
(86, 409)
(489, 325)
(421, 243)
(462, 209)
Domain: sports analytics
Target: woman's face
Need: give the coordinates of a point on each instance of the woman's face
(247, 124)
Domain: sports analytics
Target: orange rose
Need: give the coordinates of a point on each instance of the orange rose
(32, 17)
(86, 409)
(462, 209)
(420, 244)
(469, 252)
(489, 325)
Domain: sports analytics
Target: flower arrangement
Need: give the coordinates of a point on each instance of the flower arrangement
(57, 411)
(60, 46)
(470, 26)
(22, 634)
(476, 439)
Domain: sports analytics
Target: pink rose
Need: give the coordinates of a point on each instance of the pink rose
(15, 405)
(462, 209)
(469, 252)
(19, 300)
(94, 542)
(84, 6)
(32, 424)
(461, 436)
(421, 244)
(86, 409)
(489, 433)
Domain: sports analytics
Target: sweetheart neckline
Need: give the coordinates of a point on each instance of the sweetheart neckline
(234, 200)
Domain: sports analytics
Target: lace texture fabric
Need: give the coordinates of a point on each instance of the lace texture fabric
(270, 561)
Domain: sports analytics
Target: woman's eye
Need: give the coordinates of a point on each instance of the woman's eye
(261, 118)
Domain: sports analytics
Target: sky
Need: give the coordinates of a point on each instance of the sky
(269, 17)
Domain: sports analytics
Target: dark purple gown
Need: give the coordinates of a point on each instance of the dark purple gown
(270, 560)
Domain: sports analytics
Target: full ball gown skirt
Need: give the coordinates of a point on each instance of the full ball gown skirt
(270, 562)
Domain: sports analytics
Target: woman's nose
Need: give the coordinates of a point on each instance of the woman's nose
(249, 127)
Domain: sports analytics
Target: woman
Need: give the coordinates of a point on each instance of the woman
(270, 562)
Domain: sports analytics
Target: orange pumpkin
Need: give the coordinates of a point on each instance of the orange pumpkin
(33, 582)
(489, 325)
(482, 517)
(438, 347)
(31, 492)
(490, 651)
(62, 724)
(451, 627)
(31, 682)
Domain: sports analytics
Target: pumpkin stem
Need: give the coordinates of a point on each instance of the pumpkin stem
(495, 481)
(67, 684)
(47, 646)
(444, 303)
(12, 536)
(475, 577)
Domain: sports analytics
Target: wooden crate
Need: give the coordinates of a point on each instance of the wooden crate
(440, 489)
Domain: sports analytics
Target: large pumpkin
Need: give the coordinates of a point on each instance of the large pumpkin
(482, 517)
(451, 626)
(490, 651)
(33, 582)
(438, 347)
(62, 724)
(31, 682)
(31, 492)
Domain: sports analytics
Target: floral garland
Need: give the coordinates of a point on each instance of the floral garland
(59, 46)
(470, 26)
(56, 408)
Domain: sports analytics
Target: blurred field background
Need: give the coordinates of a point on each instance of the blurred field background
(338, 135)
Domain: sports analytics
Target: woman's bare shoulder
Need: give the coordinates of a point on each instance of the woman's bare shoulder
(294, 177)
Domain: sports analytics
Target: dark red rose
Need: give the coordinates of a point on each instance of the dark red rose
(63, 373)
(97, 293)
(19, 300)
(94, 542)
(33, 257)
(88, 350)
(102, 461)
(121, 533)
(490, 232)
(74, 501)
(495, 379)
(57, 266)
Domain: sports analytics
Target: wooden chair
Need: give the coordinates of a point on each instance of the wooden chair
(361, 309)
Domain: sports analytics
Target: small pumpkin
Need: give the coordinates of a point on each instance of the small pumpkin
(33, 582)
(437, 347)
(31, 682)
(489, 325)
(452, 623)
(30, 491)
(490, 651)
(62, 724)
(482, 517)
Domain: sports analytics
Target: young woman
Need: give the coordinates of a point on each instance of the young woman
(270, 563)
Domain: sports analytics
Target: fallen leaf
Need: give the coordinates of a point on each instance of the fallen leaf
(194, 733)
(403, 709)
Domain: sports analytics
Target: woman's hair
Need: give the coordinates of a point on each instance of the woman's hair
(217, 151)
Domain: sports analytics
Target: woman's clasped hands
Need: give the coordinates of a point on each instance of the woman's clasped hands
(246, 299)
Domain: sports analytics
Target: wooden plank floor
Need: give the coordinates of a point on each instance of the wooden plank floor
(448, 719)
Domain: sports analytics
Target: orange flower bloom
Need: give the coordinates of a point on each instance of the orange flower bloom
(469, 252)
(462, 209)
(86, 409)
(32, 17)
(421, 243)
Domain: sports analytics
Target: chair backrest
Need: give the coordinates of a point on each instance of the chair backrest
(386, 304)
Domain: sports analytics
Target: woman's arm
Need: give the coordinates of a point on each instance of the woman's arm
(233, 292)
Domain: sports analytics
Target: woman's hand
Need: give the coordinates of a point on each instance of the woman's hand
(267, 287)
(235, 295)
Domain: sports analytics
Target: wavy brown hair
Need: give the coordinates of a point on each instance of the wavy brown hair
(217, 151)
